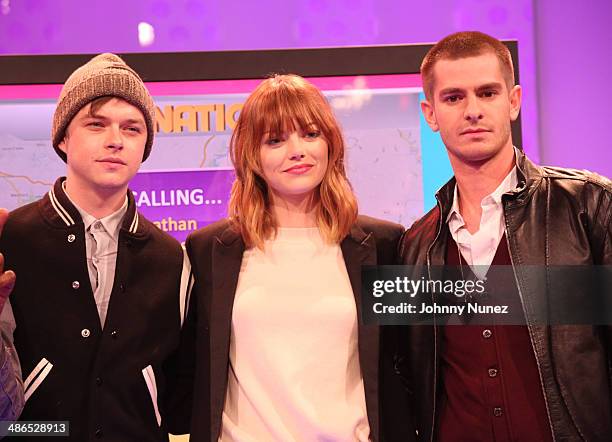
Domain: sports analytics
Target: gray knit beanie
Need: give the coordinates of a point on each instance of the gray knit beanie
(103, 75)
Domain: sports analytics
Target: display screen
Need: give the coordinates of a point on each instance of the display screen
(394, 162)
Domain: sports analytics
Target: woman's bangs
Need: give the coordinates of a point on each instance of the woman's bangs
(286, 110)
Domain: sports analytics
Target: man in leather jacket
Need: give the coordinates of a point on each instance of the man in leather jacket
(523, 382)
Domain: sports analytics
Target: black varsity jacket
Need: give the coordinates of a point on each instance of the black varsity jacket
(105, 382)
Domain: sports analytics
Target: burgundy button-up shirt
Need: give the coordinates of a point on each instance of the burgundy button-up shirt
(491, 388)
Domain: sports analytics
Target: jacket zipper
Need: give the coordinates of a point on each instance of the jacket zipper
(435, 326)
(528, 327)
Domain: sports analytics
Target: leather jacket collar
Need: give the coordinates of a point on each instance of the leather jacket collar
(529, 177)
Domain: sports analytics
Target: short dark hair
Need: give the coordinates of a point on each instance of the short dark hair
(94, 107)
(462, 45)
(96, 104)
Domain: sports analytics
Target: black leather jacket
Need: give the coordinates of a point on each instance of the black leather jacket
(555, 217)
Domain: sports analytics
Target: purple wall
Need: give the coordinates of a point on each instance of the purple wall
(574, 75)
(564, 34)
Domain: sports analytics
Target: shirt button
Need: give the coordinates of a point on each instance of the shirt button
(76, 284)
(71, 238)
(85, 333)
(492, 372)
(497, 411)
(487, 333)
(98, 225)
(98, 433)
(98, 381)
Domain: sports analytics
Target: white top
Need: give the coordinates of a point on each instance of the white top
(479, 249)
(101, 244)
(294, 370)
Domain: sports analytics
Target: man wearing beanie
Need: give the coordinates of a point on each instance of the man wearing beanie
(97, 300)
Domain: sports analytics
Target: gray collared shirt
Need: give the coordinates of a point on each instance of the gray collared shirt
(101, 244)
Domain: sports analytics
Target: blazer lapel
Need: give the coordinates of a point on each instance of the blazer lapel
(226, 260)
(359, 249)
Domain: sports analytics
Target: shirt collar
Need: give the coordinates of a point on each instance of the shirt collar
(494, 198)
(111, 223)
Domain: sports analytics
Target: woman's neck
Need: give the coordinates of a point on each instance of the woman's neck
(294, 211)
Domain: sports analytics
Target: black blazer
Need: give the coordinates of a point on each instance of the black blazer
(202, 363)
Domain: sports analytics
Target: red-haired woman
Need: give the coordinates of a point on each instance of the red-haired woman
(273, 320)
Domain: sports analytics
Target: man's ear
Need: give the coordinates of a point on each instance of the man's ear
(62, 146)
(429, 114)
(516, 95)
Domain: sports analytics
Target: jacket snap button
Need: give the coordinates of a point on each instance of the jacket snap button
(98, 433)
(71, 238)
(76, 284)
(492, 372)
(114, 334)
(497, 412)
(487, 334)
(85, 333)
